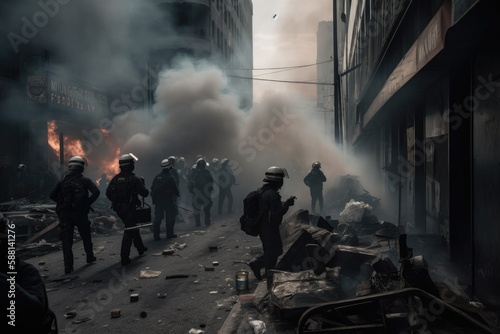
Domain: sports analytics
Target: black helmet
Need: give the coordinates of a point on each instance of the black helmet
(316, 164)
(76, 163)
(275, 173)
(127, 160)
(224, 161)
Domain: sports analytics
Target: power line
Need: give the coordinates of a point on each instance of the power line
(284, 81)
(277, 68)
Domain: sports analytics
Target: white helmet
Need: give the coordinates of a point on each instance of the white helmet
(76, 162)
(224, 161)
(215, 161)
(201, 163)
(127, 160)
(275, 173)
(173, 160)
(166, 164)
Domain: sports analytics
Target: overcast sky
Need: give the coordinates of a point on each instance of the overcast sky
(287, 39)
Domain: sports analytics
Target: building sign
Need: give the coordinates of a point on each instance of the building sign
(427, 46)
(36, 89)
(72, 96)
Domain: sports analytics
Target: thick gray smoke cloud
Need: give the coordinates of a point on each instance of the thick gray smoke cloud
(195, 113)
(106, 44)
(101, 42)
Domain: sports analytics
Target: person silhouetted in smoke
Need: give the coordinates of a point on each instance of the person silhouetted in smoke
(73, 205)
(271, 212)
(225, 180)
(201, 187)
(123, 191)
(314, 180)
(165, 193)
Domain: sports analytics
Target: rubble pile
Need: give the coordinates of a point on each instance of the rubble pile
(330, 266)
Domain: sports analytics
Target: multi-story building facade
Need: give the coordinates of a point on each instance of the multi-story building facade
(324, 59)
(43, 80)
(422, 106)
(216, 30)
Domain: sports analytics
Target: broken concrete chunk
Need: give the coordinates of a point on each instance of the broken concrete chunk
(116, 313)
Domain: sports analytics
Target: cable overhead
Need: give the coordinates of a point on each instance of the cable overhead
(277, 68)
(284, 81)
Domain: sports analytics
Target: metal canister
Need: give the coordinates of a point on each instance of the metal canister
(241, 280)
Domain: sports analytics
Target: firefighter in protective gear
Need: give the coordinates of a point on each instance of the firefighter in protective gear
(314, 180)
(73, 205)
(201, 187)
(271, 211)
(225, 180)
(123, 190)
(165, 193)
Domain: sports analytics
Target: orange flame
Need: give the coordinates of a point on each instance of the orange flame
(74, 147)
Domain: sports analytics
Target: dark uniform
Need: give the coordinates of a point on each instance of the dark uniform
(128, 186)
(271, 212)
(201, 187)
(226, 180)
(314, 180)
(74, 214)
(165, 193)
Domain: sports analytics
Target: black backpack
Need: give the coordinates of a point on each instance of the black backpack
(74, 194)
(250, 220)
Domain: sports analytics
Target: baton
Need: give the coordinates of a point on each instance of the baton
(138, 226)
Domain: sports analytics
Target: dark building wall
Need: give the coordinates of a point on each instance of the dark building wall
(486, 174)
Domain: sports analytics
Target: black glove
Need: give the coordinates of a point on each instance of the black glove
(290, 201)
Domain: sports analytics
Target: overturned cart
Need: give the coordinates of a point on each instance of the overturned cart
(334, 280)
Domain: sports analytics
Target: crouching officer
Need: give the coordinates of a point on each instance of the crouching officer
(123, 191)
(73, 206)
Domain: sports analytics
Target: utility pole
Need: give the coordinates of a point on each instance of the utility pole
(336, 80)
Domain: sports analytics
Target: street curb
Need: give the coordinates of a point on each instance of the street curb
(239, 314)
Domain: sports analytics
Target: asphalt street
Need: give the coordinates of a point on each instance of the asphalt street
(192, 288)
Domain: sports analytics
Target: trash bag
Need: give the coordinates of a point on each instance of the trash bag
(354, 212)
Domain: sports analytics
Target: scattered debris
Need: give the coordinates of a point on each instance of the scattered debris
(79, 321)
(213, 248)
(258, 326)
(227, 303)
(116, 313)
(149, 273)
(143, 314)
(196, 331)
(134, 297)
(70, 314)
(176, 276)
(159, 295)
